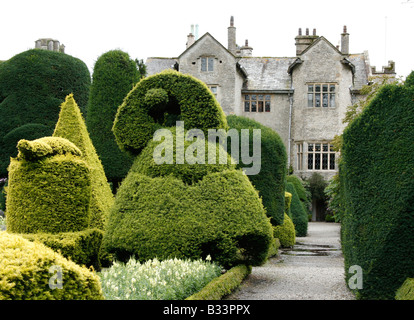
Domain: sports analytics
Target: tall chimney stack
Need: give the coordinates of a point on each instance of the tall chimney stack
(231, 37)
(345, 41)
(304, 41)
(190, 37)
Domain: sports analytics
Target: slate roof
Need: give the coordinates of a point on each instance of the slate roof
(267, 73)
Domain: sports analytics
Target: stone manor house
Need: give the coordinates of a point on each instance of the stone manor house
(303, 98)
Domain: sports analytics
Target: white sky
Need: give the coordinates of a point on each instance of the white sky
(159, 28)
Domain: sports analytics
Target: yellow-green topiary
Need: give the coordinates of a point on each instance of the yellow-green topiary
(71, 126)
(49, 188)
(285, 233)
(406, 291)
(31, 271)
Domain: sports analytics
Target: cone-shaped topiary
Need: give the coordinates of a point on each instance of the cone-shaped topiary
(31, 271)
(114, 75)
(32, 86)
(71, 126)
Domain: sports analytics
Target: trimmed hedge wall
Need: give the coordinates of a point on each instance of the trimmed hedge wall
(26, 274)
(32, 86)
(377, 171)
(71, 126)
(114, 75)
(298, 213)
(178, 97)
(223, 285)
(270, 182)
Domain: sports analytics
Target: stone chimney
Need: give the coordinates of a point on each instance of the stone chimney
(231, 36)
(190, 37)
(304, 41)
(246, 50)
(345, 41)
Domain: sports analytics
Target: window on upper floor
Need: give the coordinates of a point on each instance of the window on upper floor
(207, 64)
(257, 103)
(315, 156)
(321, 95)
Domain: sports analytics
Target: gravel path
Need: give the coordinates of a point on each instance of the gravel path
(312, 270)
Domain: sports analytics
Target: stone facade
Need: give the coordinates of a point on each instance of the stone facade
(303, 98)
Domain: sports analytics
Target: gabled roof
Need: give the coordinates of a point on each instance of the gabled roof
(267, 73)
(314, 43)
(156, 65)
(200, 40)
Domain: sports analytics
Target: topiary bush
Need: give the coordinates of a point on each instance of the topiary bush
(378, 192)
(114, 75)
(32, 86)
(31, 271)
(181, 209)
(303, 194)
(298, 213)
(49, 188)
(144, 110)
(270, 181)
(71, 126)
(168, 214)
(285, 233)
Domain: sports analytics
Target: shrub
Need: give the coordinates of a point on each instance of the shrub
(406, 291)
(303, 194)
(172, 279)
(270, 181)
(187, 211)
(27, 271)
(81, 247)
(285, 233)
(377, 173)
(223, 285)
(71, 126)
(299, 215)
(114, 75)
(145, 110)
(49, 188)
(32, 86)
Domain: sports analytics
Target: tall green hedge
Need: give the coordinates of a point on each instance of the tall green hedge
(71, 126)
(114, 75)
(303, 194)
(377, 171)
(270, 181)
(32, 86)
(159, 101)
(298, 212)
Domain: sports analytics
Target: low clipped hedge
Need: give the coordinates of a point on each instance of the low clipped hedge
(270, 181)
(406, 291)
(146, 110)
(377, 172)
(27, 270)
(298, 212)
(81, 247)
(223, 285)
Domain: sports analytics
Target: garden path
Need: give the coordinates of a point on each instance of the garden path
(312, 270)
